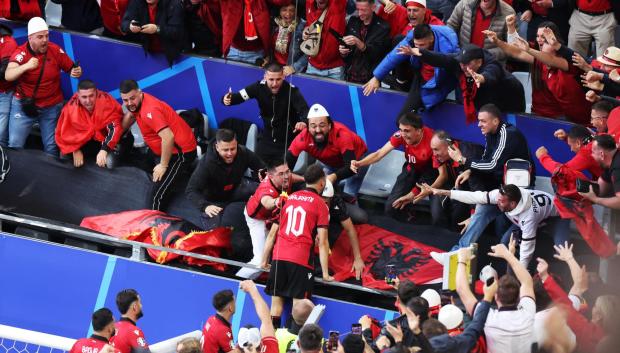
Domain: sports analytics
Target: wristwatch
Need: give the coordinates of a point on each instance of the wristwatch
(462, 160)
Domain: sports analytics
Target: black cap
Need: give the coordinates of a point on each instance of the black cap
(470, 52)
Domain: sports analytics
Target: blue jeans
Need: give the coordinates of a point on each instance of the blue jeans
(352, 184)
(481, 218)
(20, 125)
(5, 109)
(249, 57)
(337, 73)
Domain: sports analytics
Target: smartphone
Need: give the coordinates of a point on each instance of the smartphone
(338, 37)
(390, 274)
(584, 186)
(136, 23)
(356, 329)
(76, 64)
(450, 143)
(490, 281)
(332, 341)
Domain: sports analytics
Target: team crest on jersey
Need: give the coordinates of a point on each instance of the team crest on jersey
(136, 332)
(149, 115)
(20, 57)
(62, 51)
(141, 342)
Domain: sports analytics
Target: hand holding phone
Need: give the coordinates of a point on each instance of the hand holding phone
(332, 341)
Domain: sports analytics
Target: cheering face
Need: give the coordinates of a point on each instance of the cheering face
(598, 155)
(87, 98)
(574, 144)
(410, 134)
(540, 40)
(274, 81)
(416, 15)
(474, 65)
(132, 100)
(281, 177)
(504, 204)
(488, 5)
(424, 43)
(287, 13)
(487, 123)
(38, 41)
(227, 150)
(319, 129)
(598, 119)
(364, 10)
(440, 149)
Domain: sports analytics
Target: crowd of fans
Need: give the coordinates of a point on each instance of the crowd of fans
(427, 48)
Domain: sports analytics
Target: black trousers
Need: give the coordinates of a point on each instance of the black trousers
(406, 181)
(447, 213)
(178, 168)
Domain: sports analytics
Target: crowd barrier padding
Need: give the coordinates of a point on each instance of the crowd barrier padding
(201, 82)
(55, 289)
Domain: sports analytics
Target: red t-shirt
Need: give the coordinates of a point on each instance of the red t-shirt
(128, 336)
(112, 12)
(254, 208)
(93, 344)
(269, 345)
(427, 71)
(613, 124)
(564, 96)
(582, 161)
(48, 93)
(154, 40)
(418, 156)
(217, 335)
(155, 115)
(339, 140)
(594, 5)
(7, 47)
(481, 23)
(301, 215)
(328, 56)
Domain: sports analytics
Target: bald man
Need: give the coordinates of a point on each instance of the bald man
(287, 335)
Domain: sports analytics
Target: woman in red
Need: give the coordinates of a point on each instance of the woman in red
(556, 91)
(286, 39)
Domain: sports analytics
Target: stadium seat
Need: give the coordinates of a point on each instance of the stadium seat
(302, 163)
(524, 78)
(53, 14)
(381, 176)
(205, 131)
(252, 138)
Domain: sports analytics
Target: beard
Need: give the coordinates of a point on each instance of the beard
(139, 315)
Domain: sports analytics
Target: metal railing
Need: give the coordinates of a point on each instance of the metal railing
(138, 252)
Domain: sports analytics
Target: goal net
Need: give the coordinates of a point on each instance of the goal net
(17, 340)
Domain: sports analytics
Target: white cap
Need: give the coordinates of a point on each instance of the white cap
(248, 335)
(450, 316)
(37, 24)
(486, 273)
(328, 190)
(421, 2)
(432, 297)
(316, 111)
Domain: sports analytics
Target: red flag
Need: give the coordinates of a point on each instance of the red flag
(158, 228)
(573, 206)
(380, 247)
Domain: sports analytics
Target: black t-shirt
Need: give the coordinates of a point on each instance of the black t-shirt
(612, 174)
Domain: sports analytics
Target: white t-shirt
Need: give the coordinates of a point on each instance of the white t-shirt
(511, 330)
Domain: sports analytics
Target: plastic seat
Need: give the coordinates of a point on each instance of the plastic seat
(205, 131)
(524, 78)
(301, 164)
(252, 139)
(381, 176)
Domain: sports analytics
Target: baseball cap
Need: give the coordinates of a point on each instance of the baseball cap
(248, 335)
(469, 52)
(316, 111)
(328, 191)
(37, 24)
(422, 3)
(432, 297)
(450, 316)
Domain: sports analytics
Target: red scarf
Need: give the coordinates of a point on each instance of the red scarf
(76, 125)
(248, 22)
(469, 94)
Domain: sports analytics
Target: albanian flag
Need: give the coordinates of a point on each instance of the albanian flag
(379, 248)
(158, 228)
(573, 206)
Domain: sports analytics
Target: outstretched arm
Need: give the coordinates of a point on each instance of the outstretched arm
(262, 310)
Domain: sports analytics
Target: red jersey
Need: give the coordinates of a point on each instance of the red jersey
(418, 156)
(217, 335)
(582, 161)
(254, 208)
(482, 23)
(7, 47)
(565, 96)
(112, 12)
(301, 215)
(399, 21)
(269, 345)
(329, 56)
(594, 6)
(93, 344)
(155, 115)
(48, 93)
(128, 336)
(339, 140)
